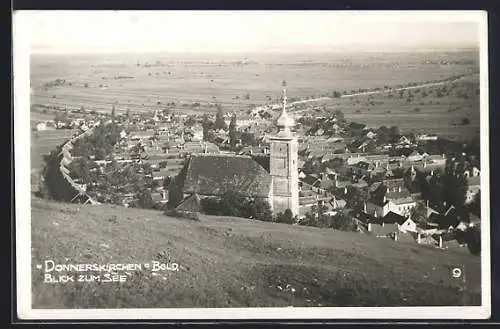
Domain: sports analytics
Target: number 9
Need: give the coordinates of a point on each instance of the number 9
(456, 272)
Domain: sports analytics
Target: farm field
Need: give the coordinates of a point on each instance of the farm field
(188, 79)
(435, 109)
(234, 262)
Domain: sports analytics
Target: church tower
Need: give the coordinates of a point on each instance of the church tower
(283, 165)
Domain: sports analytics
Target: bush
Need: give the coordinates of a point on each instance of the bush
(286, 217)
(145, 200)
(417, 109)
(473, 236)
(234, 204)
(465, 121)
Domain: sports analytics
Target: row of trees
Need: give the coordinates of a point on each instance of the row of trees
(234, 204)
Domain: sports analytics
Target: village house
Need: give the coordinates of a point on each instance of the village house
(47, 125)
(473, 184)
(426, 137)
(389, 195)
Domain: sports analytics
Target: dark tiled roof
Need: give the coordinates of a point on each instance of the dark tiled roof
(214, 174)
(263, 160)
(444, 222)
(364, 217)
(310, 179)
(392, 218)
(404, 200)
(403, 194)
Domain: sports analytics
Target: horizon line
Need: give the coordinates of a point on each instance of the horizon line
(332, 51)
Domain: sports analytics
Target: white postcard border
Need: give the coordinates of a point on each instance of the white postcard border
(21, 51)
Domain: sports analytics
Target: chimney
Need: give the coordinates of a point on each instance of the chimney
(369, 227)
(364, 208)
(376, 164)
(432, 172)
(395, 236)
(383, 223)
(385, 199)
(425, 164)
(345, 190)
(440, 242)
(427, 204)
(399, 188)
(443, 156)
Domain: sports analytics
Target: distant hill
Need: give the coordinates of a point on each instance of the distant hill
(234, 262)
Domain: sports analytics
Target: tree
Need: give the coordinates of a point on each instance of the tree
(232, 131)
(166, 182)
(286, 217)
(261, 210)
(355, 198)
(419, 214)
(474, 240)
(79, 169)
(219, 119)
(465, 121)
(339, 115)
(336, 94)
(342, 222)
(100, 153)
(206, 124)
(248, 138)
(190, 121)
(145, 200)
(394, 133)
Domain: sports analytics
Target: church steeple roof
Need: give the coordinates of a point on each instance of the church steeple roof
(284, 120)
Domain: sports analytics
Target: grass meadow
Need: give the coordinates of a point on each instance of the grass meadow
(234, 262)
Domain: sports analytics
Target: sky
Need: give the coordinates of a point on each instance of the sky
(245, 31)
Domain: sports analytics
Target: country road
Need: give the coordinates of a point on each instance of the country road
(424, 85)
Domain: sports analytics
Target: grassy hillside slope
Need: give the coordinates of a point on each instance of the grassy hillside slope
(232, 262)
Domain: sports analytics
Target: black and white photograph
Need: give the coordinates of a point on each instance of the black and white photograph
(251, 164)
